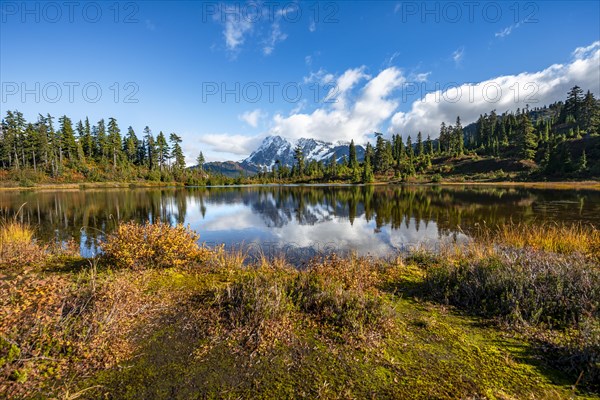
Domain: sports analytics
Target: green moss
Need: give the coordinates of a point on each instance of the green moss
(9, 352)
(342, 328)
(426, 352)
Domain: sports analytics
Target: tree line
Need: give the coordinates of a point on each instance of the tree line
(541, 135)
(544, 136)
(97, 151)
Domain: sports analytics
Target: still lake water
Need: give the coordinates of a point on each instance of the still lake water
(300, 221)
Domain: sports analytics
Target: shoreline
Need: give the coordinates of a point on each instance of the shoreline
(557, 185)
(90, 185)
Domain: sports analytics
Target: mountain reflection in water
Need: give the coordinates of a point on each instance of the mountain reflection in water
(300, 221)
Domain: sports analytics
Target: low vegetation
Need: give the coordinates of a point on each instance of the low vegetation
(549, 237)
(158, 245)
(17, 245)
(516, 317)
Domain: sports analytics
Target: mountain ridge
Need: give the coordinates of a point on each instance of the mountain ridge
(277, 150)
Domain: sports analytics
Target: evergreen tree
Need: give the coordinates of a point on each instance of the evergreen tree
(12, 130)
(200, 161)
(333, 166)
(102, 145)
(68, 146)
(368, 176)
(42, 140)
(162, 150)
(299, 158)
(177, 153)
(590, 114)
(527, 142)
(150, 153)
(130, 146)
(458, 138)
(114, 141)
(53, 145)
(444, 139)
(31, 144)
(429, 146)
(573, 104)
(87, 141)
(409, 148)
(352, 155)
(383, 154)
(398, 149)
(420, 147)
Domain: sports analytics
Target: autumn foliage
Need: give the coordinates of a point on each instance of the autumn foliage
(17, 245)
(156, 245)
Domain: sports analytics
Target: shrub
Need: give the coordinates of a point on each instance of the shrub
(345, 309)
(555, 296)
(257, 306)
(18, 246)
(522, 286)
(157, 245)
(436, 178)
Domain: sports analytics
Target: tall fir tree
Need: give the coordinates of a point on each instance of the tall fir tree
(527, 140)
(352, 155)
(114, 141)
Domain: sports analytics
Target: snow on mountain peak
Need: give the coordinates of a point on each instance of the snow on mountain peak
(277, 148)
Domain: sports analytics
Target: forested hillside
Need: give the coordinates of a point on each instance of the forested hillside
(558, 141)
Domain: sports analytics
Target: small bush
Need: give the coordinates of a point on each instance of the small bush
(522, 286)
(338, 302)
(436, 178)
(156, 245)
(18, 246)
(258, 307)
(555, 296)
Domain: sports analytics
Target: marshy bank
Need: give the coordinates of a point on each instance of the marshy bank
(513, 314)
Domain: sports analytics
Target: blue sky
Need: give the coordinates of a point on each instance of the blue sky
(328, 70)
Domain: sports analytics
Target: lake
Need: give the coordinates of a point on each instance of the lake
(300, 221)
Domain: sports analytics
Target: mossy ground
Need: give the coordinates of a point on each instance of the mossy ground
(354, 327)
(423, 351)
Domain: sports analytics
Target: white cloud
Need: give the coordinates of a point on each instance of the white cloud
(421, 77)
(390, 60)
(276, 36)
(366, 103)
(321, 76)
(503, 93)
(238, 26)
(458, 55)
(585, 52)
(312, 26)
(252, 118)
(223, 143)
(308, 60)
(235, 31)
(508, 30)
(348, 117)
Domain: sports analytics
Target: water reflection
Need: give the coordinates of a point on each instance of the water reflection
(304, 220)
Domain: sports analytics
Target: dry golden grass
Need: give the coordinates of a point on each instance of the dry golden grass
(17, 245)
(552, 237)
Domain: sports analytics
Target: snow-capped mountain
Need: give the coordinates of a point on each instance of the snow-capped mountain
(275, 148)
